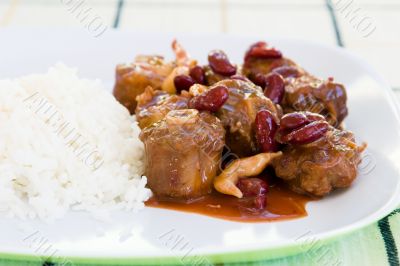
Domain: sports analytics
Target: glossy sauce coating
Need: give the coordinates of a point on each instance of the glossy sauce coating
(282, 204)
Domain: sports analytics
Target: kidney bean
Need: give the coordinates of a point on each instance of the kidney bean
(292, 121)
(298, 119)
(210, 100)
(254, 193)
(252, 186)
(260, 202)
(275, 87)
(197, 73)
(313, 116)
(239, 77)
(261, 50)
(220, 63)
(265, 129)
(306, 134)
(183, 82)
(258, 79)
(253, 205)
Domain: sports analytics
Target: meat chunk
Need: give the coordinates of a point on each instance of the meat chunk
(132, 79)
(308, 93)
(239, 113)
(283, 66)
(321, 166)
(154, 105)
(303, 92)
(183, 152)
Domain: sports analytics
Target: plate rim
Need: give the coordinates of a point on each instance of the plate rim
(284, 249)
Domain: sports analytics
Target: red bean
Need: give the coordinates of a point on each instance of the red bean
(292, 121)
(240, 77)
(254, 193)
(259, 44)
(313, 116)
(265, 129)
(306, 134)
(301, 128)
(252, 186)
(210, 100)
(298, 119)
(275, 87)
(183, 82)
(261, 50)
(220, 63)
(258, 79)
(253, 204)
(197, 73)
(260, 202)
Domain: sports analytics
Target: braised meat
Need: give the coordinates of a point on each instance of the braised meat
(154, 105)
(283, 66)
(183, 153)
(132, 79)
(223, 132)
(308, 93)
(319, 167)
(239, 113)
(261, 59)
(303, 92)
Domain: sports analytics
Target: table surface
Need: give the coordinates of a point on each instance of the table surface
(365, 27)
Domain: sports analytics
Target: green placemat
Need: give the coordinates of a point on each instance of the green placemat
(374, 245)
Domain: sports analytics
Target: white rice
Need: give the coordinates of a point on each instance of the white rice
(66, 143)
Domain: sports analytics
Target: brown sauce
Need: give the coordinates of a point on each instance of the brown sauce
(282, 204)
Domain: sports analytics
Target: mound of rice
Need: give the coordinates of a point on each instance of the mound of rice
(66, 143)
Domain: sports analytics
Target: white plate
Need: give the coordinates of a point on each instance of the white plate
(180, 237)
